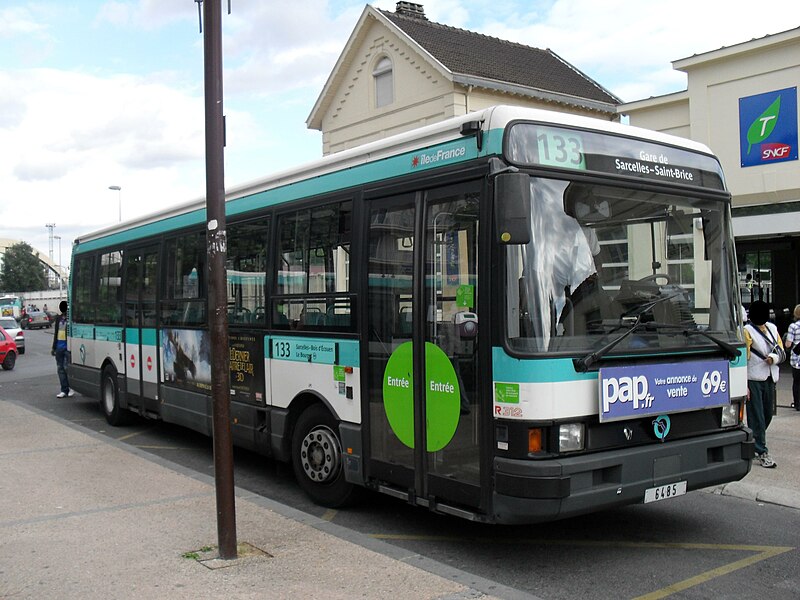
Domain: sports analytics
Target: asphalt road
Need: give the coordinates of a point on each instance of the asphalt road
(696, 546)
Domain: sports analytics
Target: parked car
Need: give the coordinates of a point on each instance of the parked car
(8, 350)
(15, 331)
(35, 319)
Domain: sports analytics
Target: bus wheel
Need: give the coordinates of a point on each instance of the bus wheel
(109, 398)
(10, 361)
(317, 458)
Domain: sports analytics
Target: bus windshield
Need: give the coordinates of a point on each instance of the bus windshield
(603, 259)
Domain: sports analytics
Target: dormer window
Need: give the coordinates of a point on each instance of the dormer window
(384, 84)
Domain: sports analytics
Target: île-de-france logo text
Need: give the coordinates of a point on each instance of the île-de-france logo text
(768, 127)
(431, 157)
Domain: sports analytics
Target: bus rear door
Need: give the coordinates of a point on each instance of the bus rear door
(141, 344)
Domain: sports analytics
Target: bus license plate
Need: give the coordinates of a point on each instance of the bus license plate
(663, 492)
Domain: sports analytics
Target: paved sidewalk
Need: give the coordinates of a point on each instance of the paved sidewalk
(780, 485)
(84, 517)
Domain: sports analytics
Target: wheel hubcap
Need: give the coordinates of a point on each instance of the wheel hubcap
(320, 455)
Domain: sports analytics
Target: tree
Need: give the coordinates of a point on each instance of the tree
(22, 271)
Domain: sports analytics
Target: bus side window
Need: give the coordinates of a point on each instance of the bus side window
(246, 269)
(312, 282)
(184, 301)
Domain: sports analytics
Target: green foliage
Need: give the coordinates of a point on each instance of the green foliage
(22, 271)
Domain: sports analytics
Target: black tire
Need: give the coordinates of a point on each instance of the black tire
(21, 350)
(9, 361)
(109, 398)
(317, 458)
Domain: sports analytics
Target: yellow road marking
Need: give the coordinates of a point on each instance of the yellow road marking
(134, 434)
(766, 552)
(761, 553)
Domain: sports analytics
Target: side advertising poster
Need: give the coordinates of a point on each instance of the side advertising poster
(247, 367)
(187, 362)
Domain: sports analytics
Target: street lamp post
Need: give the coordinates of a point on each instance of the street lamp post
(118, 189)
(58, 237)
(60, 268)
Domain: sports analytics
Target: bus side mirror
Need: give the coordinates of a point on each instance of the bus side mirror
(512, 208)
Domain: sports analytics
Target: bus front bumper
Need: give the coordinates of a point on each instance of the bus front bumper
(530, 491)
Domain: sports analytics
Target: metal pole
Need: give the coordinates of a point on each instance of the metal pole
(218, 297)
(118, 189)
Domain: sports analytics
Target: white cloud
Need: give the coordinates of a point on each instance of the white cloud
(627, 45)
(271, 50)
(73, 135)
(145, 14)
(21, 21)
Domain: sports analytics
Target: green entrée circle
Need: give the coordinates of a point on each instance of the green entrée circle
(442, 396)
(398, 393)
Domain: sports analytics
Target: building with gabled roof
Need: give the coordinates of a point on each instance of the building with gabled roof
(399, 71)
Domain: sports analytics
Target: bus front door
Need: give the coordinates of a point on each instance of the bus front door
(423, 414)
(141, 345)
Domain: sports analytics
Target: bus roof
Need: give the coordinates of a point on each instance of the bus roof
(493, 122)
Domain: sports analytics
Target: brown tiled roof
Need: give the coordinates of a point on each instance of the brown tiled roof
(473, 54)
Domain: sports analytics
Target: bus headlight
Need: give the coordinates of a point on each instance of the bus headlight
(570, 437)
(730, 415)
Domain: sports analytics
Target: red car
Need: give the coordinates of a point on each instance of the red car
(8, 350)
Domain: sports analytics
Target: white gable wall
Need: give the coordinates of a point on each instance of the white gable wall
(421, 94)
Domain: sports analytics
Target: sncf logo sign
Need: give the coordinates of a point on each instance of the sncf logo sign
(773, 151)
(768, 127)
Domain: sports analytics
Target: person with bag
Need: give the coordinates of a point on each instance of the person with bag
(764, 353)
(792, 345)
(59, 350)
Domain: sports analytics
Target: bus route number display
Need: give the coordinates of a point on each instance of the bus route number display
(560, 148)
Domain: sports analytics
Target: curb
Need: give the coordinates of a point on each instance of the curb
(758, 493)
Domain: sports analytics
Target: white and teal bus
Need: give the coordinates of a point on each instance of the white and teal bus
(11, 306)
(510, 316)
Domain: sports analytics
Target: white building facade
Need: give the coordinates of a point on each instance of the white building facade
(741, 101)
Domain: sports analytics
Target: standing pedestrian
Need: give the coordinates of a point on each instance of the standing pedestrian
(764, 353)
(60, 350)
(792, 345)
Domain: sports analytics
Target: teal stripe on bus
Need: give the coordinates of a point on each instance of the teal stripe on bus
(463, 149)
(534, 370)
(149, 337)
(84, 332)
(555, 370)
(145, 336)
(108, 334)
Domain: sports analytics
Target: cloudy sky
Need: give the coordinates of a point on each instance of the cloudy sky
(99, 93)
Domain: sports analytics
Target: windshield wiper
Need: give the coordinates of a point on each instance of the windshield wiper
(584, 364)
(731, 352)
